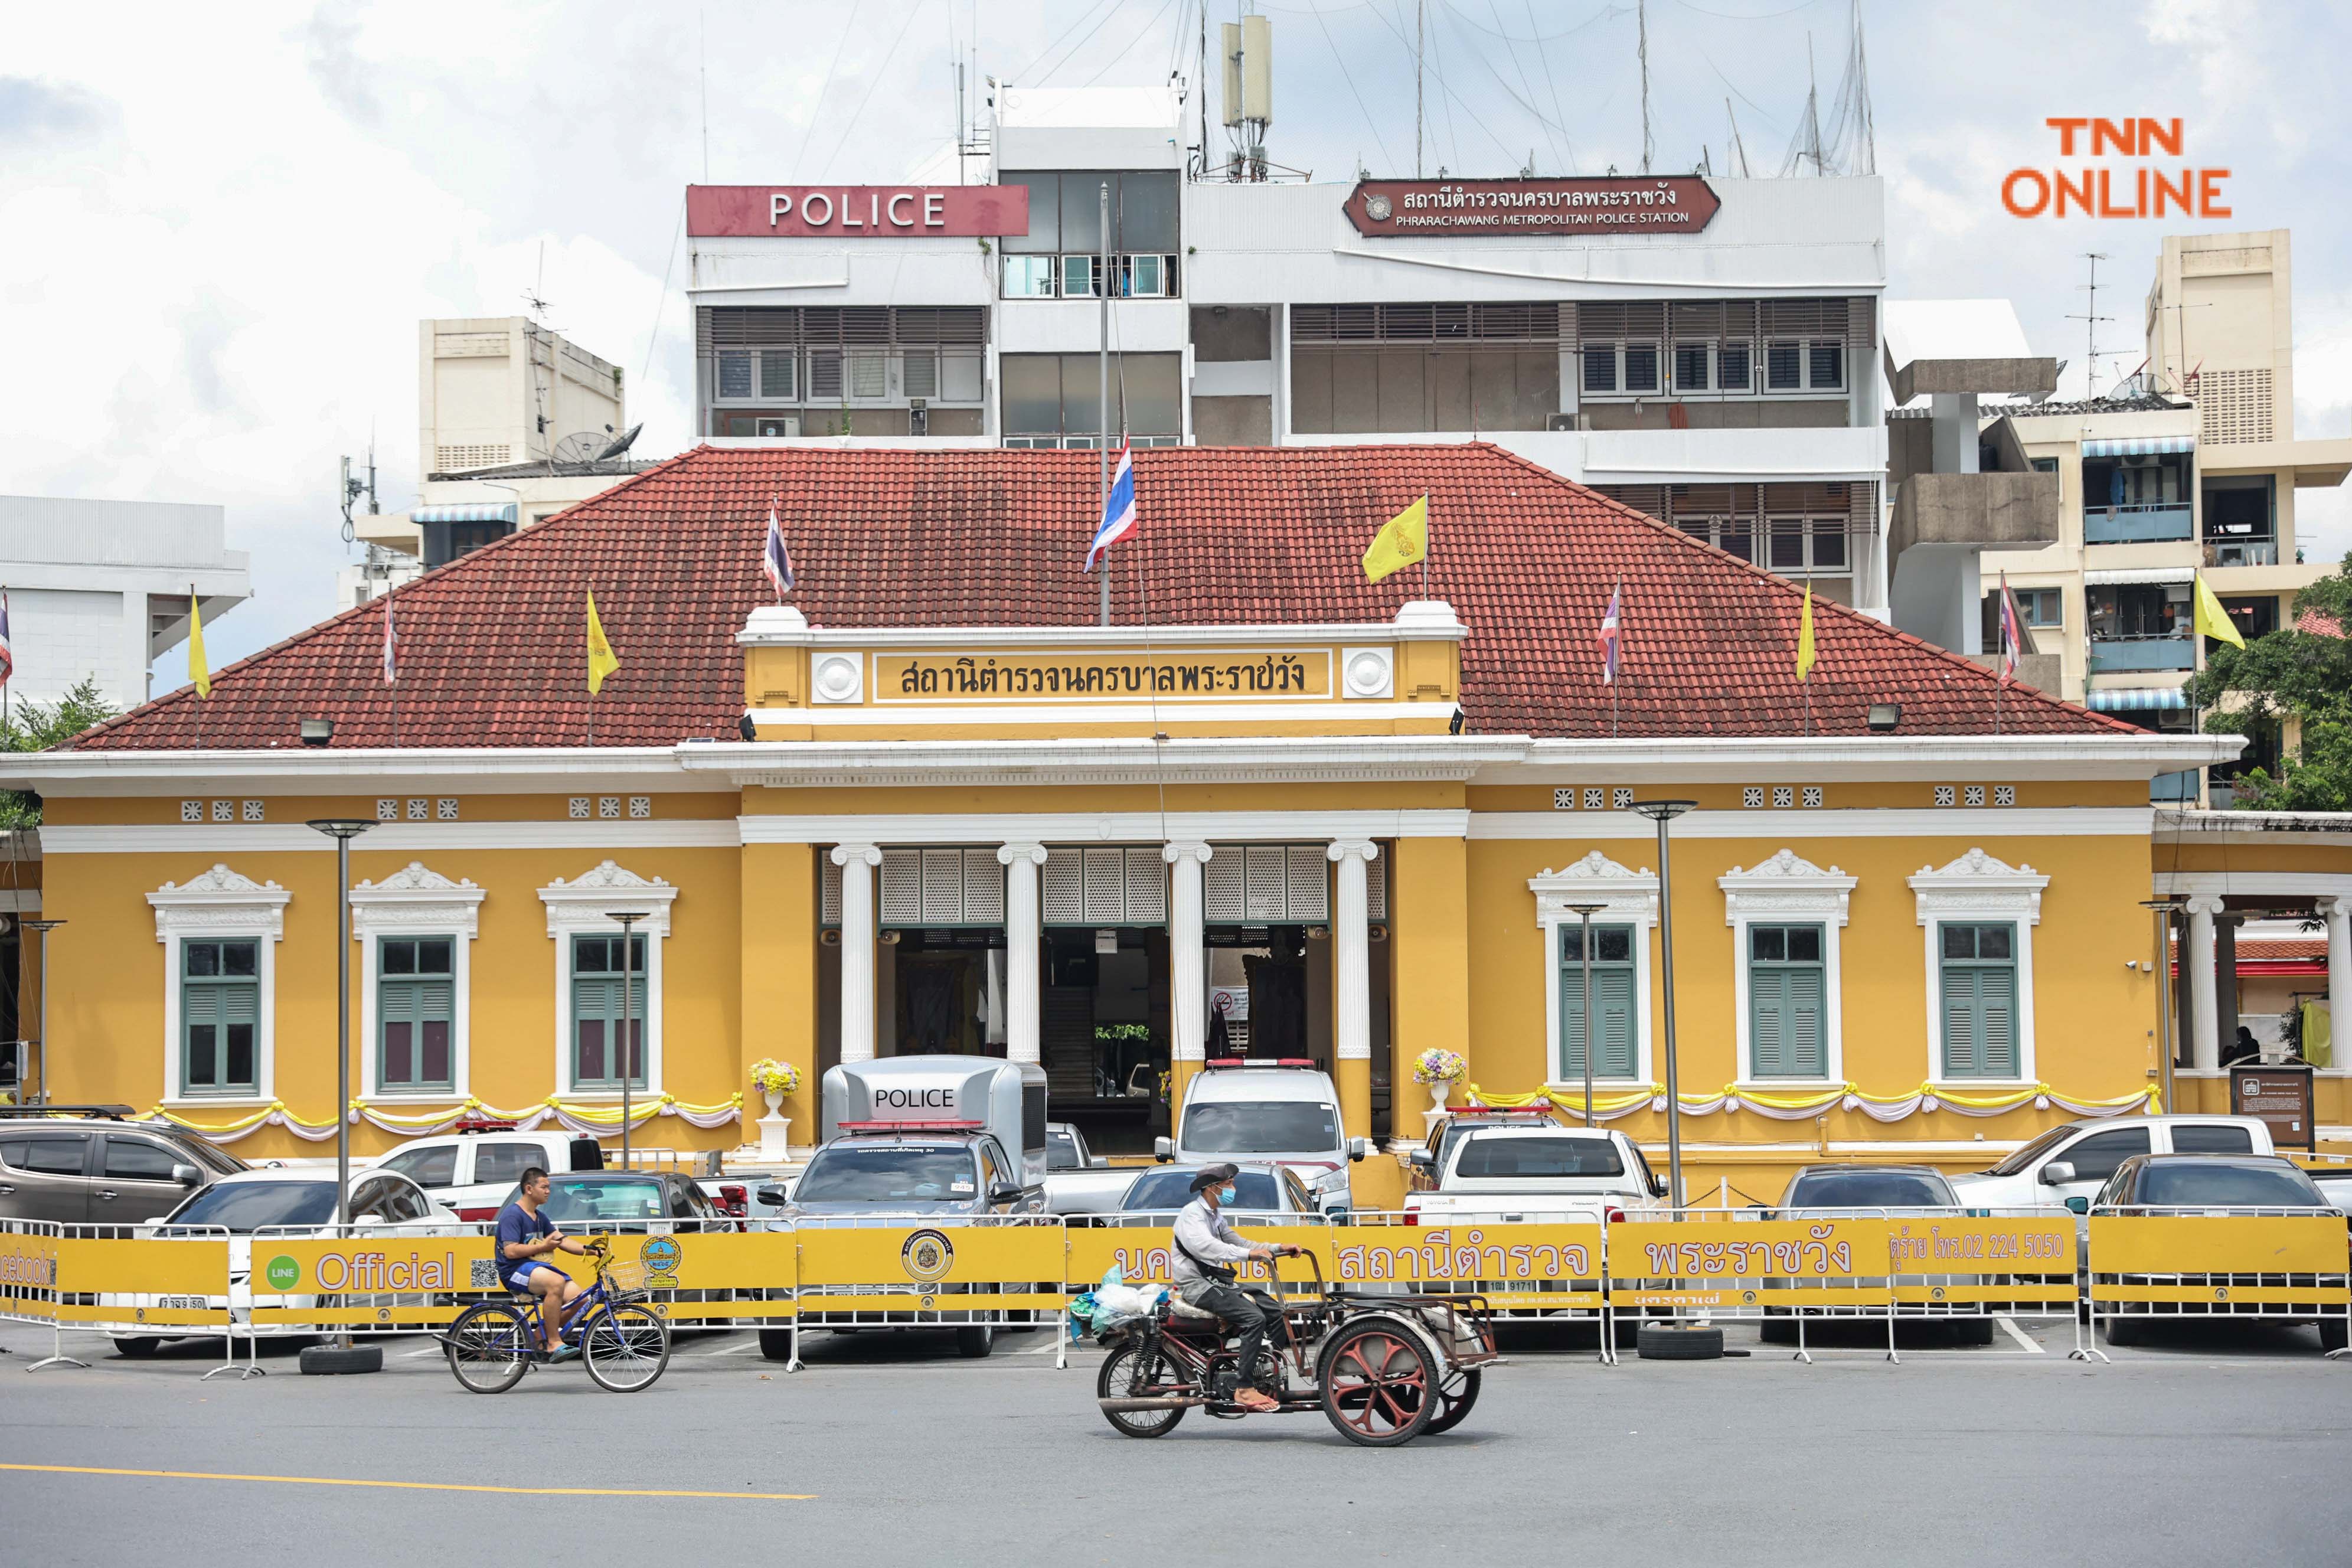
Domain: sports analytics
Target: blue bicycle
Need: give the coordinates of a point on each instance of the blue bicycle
(624, 1343)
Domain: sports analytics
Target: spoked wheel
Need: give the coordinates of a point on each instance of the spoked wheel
(1456, 1392)
(1379, 1388)
(626, 1349)
(1132, 1373)
(488, 1347)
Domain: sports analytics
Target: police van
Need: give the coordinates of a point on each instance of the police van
(1281, 1112)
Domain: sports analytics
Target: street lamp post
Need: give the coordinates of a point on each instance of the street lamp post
(345, 1357)
(2164, 909)
(1585, 913)
(45, 928)
(628, 1053)
(1663, 811)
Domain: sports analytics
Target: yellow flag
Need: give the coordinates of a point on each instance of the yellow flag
(1403, 540)
(1805, 637)
(601, 661)
(2212, 620)
(200, 669)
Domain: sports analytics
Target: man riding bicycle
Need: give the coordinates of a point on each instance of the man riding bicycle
(1206, 1248)
(524, 1236)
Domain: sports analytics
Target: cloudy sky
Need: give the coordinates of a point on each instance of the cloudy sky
(222, 225)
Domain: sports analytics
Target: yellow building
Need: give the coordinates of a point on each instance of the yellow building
(928, 802)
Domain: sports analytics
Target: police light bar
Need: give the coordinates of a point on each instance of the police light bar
(912, 1126)
(1258, 1062)
(1497, 1110)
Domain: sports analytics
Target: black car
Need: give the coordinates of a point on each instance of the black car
(2171, 1183)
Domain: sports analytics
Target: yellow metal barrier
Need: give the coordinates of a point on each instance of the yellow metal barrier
(963, 1272)
(2161, 1267)
(379, 1279)
(708, 1276)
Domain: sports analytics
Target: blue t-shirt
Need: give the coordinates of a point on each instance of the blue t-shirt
(516, 1224)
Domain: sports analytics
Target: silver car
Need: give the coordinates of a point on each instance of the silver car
(1899, 1192)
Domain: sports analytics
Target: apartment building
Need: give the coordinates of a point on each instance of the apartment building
(1700, 347)
(514, 424)
(2191, 468)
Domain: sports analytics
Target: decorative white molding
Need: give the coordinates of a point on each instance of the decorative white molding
(586, 905)
(1789, 889)
(2291, 884)
(1262, 710)
(1627, 898)
(1421, 620)
(222, 903)
(416, 900)
(1106, 828)
(1979, 886)
(1361, 848)
(1367, 671)
(1945, 822)
(403, 837)
(837, 678)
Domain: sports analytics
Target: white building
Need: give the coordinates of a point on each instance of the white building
(1704, 349)
(99, 589)
(514, 424)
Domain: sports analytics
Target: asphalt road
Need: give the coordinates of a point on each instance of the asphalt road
(2214, 1444)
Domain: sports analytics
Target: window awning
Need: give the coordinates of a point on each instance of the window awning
(478, 512)
(2139, 574)
(2135, 699)
(2139, 446)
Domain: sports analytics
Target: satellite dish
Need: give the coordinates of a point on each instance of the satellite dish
(618, 447)
(580, 445)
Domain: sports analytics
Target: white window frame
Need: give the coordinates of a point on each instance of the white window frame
(221, 904)
(1789, 889)
(584, 905)
(417, 901)
(1805, 387)
(1982, 890)
(1773, 521)
(1627, 898)
(1663, 347)
(1712, 345)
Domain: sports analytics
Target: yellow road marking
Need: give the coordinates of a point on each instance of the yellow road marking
(404, 1486)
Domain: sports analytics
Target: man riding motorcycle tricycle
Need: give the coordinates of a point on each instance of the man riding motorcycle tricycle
(1206, 1248)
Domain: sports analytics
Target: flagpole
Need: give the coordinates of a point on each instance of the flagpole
(392, 672)
(1102, 375)
(195, 629)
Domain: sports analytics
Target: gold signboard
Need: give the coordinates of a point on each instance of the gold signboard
(1059, 675)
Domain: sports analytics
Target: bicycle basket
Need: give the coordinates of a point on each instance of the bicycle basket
(625, 1278)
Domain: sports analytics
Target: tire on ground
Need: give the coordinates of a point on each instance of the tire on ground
(975, 1340)
(1680, 1342)
(776, 1345)
(139, 1347)
(339, 1361)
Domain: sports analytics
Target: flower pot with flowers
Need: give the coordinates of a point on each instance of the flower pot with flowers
(1441, 1069)
(774, 1080)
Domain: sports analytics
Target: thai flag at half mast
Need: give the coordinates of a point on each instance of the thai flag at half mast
(7, 648)
(1119, 519)
(1608, 642)
(774, 563)
(2012, 638)
(391, 644)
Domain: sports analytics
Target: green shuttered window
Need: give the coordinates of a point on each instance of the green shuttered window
(1786, 987)
(1979, 987)
(416, 999)
(220, 1018)
(1612, 1002)
(598, 1009)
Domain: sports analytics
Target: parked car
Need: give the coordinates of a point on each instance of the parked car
(1078, 1180)
(1285, 1112)
(1514, 1173)
(98, 1171)
(2334, 1185)
(2163, 1183)
(288, 1202)
(1423, 1164)
(2073, 1160)
(1263, 1194)
(627, 1203)
(473, 1171)
(1899, 1192)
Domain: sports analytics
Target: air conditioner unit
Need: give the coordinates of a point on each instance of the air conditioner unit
(788, 426)
(1564, 422)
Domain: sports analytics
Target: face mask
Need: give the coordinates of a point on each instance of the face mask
(1226, 1194)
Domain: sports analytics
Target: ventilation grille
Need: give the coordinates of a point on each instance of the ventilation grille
(1424, 323)
(488, 455)
(1266, 884)
(1606, 322)
(861, 326)
(1111, 887)
(936, 886)
(1804, 318)
(2233, 406)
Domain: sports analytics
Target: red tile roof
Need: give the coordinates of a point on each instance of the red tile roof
(2318, 623)
(491, 645)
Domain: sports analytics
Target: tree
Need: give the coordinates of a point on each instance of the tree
(39, 726)
(2292, 674)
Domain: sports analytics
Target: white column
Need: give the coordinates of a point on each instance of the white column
(2338, 915)
(2204, 1035)
(1187, 967)
(1023, 1006)
(1351, 985)
(857, 862)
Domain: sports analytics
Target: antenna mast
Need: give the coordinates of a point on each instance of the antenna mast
(2090, 318)
(1641, 48)
(1420, 15)
(1738, 148)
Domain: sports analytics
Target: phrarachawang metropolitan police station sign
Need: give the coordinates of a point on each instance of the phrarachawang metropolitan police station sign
(1057, 673)
(1403, 209)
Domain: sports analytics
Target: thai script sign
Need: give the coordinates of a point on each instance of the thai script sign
(1503, 1254)
(856, 212)
(1833, 1262)
(1981, 1246)
(1052, 675)
(1404, 209)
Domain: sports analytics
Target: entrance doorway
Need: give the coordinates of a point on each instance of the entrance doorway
(1104, 1033)
(947, 994)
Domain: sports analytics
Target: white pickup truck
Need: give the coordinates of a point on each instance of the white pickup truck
(2075, 1161)
(1516, 1174)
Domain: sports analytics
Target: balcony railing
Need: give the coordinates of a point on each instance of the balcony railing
(2113, 655)
(2242, 553)
(2141, 522)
